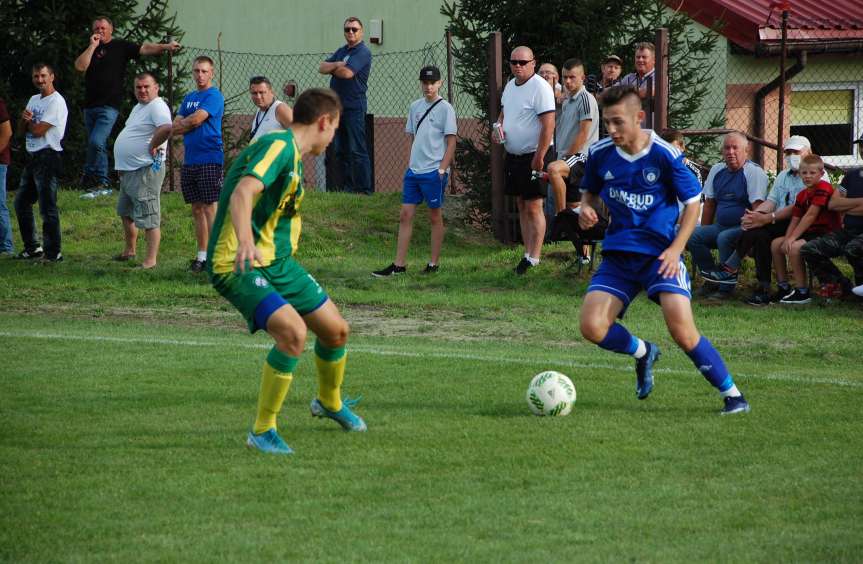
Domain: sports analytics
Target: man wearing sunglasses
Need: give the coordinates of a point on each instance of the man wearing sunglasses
(527, 124)
(349, 68)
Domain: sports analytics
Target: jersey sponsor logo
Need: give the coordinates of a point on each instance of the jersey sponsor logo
(192, 105)
(608, 175)
(638, 202)
(651, 174)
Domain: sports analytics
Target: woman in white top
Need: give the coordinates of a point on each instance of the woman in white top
(272, 114)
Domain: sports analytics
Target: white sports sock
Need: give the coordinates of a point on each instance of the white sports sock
(730, 392)
(641, 350)
(531, 260)
(202, 256)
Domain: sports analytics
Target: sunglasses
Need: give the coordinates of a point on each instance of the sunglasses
(351, 29)
(519, 62)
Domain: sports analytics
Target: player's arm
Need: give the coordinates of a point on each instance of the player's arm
(241, 216)
(329, 67)
(284, 115)
(38, 129)
(670, 258)
(709, 211)
(162, 133)
(5, 134)
(587, 216)
(799, 225)
(158, 48)
(840, 203)
(186, 124)
(580, 138)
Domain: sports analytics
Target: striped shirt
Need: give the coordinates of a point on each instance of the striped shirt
(275, 160)
(574, 110)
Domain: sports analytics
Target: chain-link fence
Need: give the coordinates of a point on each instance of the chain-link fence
(393, 85)
(822, 99)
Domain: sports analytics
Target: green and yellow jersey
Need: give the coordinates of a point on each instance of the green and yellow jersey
(275, 160)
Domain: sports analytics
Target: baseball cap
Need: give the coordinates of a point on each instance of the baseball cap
(797, 142)
(430, 73)
(612, 59)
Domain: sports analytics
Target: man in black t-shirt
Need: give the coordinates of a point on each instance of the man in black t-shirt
(104, 63)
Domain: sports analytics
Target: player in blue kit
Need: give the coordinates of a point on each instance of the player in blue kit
(640, 178)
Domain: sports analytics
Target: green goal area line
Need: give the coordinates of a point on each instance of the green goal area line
(384, 351)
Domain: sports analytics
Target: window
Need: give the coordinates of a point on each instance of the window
(830, 117)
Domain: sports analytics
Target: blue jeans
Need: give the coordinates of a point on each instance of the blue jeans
(707, 237)
(352, 152)
(39, 184)
(5, 224)
(99, 122)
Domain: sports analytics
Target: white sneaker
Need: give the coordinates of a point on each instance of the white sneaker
(858, 290)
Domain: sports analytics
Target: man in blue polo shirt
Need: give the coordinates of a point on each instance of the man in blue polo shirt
(349, 68)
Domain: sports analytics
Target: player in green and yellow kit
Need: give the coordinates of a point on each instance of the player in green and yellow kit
(255, 234)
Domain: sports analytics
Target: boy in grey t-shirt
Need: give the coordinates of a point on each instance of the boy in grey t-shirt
(431, 121)
(577, 128)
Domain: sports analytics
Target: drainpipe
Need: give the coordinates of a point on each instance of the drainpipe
(758, 155)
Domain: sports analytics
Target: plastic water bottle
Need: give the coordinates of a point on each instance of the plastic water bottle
(157, 162)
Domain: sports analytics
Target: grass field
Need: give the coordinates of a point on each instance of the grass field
(125, 397)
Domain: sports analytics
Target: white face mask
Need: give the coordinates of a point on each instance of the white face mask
(792, 162)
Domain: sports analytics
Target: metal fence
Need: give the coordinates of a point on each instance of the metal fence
(393, 85)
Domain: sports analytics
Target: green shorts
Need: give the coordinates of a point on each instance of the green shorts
(257, 293)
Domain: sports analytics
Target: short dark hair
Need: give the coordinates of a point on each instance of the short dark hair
(106, 18)
(671, 135)
(203, 59)
(315, 102)
(645, 45)
(617, 94)
(353, 19)
(261, 79)
(144, 74)
(572, 63)
(43, 65)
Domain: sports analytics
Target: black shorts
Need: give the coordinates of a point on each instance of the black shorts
(201, 184)
(573, 181)
(518, 181)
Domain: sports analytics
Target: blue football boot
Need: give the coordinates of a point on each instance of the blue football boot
(269, 442)
(349, 420)
(736, 404)
(644, 370)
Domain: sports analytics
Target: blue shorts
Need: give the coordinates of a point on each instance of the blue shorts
(624, 275)
(428, 186)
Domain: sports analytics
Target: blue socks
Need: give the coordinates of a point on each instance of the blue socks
(706, 358)
(619, 340)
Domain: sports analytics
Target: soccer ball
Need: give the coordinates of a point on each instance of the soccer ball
(550, 393)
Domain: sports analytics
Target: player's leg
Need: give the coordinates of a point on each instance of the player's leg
(406, 229)
(437, 235)
(780, 268)
(411, 197)
(677, 310)
(130, 238)
(599, 325)
(557, 173)
(800, 295)
(433, 191)
(535, 226)
(330, 359)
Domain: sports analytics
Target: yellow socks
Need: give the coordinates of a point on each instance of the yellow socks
(275, 382)
(331, 372)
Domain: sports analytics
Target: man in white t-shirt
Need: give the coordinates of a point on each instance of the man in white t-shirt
(43, 123)
(139, 153)
(272, 114)
(527, 125)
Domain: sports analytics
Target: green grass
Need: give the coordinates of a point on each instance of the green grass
(125, 397)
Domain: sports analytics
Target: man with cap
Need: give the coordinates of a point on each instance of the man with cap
(432, 124)
(848, 241)
(764, 223)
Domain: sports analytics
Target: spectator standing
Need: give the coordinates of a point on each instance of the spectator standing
(577, 128)
(549, 72)
(139, 153)
(272, 113)
(199, 121)
(847, 241)
(527, 125)
(349, 67)
(611, 68)
(432, 124)
(765, 223)
(6, 246)
(104, 63)
(645, 63)
(43, 123)
(810, 219)
(732, 187)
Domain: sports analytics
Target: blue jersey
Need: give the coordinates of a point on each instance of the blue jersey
(203, 144)
(641, 192)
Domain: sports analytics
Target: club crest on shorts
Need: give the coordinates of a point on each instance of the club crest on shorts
(651, 174)
(261, 282)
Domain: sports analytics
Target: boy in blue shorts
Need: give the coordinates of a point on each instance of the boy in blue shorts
(641, 178)
(432, 124)
(255, 235)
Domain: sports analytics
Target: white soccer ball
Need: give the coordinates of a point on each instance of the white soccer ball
(550, 393)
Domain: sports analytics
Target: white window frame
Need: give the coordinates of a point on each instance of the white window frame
(856, 157)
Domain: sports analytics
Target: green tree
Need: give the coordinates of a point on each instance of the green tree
(557, 30)
(56, 33)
